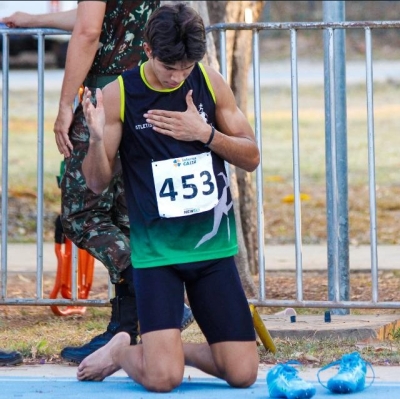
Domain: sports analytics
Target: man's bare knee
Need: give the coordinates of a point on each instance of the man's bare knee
(243, 374)
(162, 382)
(237, 362)
(162, 369)
(242, 378)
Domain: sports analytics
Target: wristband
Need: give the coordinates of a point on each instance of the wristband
(211, 137)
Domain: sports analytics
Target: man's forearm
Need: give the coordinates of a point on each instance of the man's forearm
(64, 20)
(96, 168)
(82, 48)
(80, 54)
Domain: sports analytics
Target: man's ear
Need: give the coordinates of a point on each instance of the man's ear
(147, 50)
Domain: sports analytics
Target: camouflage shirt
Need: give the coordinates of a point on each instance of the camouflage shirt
(121, 39)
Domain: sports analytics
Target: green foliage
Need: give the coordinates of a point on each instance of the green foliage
(395, 334)
(319, 352)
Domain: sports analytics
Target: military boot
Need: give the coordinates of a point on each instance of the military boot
(123, 318)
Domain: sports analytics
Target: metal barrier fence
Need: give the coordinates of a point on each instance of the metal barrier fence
(329, 29)
(40, 33)
(331, 73)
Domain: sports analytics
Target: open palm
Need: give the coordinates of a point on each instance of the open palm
(95, 116)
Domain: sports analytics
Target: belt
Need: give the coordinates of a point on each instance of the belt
(99, 80)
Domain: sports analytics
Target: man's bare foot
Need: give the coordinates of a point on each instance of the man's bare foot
(100, 364)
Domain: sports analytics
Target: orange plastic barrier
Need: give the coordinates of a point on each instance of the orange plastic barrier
(64, 277)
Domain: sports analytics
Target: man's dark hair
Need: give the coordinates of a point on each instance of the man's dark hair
(176, 33)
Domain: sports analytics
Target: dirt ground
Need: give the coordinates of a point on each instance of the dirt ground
(40, 335)
(279, 285)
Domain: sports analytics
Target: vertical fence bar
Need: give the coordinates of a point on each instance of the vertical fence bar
(371, 164)
(259, 170)
(334, 11)
(335, 195)
(224, 73)
(74, 248)
(296, 163)
(222, 45)
(40, 158)
(74, 272)
(4, 164)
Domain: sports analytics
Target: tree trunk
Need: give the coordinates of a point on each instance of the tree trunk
(241, 61)
(242, 256)
(239, 45)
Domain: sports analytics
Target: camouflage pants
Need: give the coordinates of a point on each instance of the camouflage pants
(96, 223)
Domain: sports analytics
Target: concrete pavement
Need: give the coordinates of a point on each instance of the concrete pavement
(311, 72)
(314, 257)
(272, 73)
(23, 258)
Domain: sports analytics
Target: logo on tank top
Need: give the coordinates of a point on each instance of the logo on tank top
(222, 208)
(202, 113)
(143, 126)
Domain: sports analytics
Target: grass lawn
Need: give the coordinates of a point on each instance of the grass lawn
(277, 147)
(23, 143)
(276, 131)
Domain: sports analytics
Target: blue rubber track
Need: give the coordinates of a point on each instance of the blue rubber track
(194, 388)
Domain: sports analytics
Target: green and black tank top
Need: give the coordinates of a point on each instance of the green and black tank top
(179, 202)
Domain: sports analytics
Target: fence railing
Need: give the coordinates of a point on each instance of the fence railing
(336, 265)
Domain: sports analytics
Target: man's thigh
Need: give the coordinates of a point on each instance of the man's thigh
(159, 297)
(218, 301)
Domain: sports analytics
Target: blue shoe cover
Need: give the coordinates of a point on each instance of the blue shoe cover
(283, 382)
(351, 375)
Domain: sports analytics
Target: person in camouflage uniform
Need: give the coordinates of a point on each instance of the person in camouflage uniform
(106, 40)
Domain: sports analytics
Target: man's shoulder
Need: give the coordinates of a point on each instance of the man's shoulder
(216, 79)
(211, 72)
(112, 88)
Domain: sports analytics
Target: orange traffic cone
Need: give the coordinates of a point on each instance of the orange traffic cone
(63, 284)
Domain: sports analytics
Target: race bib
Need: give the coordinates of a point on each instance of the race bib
(185, 186)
